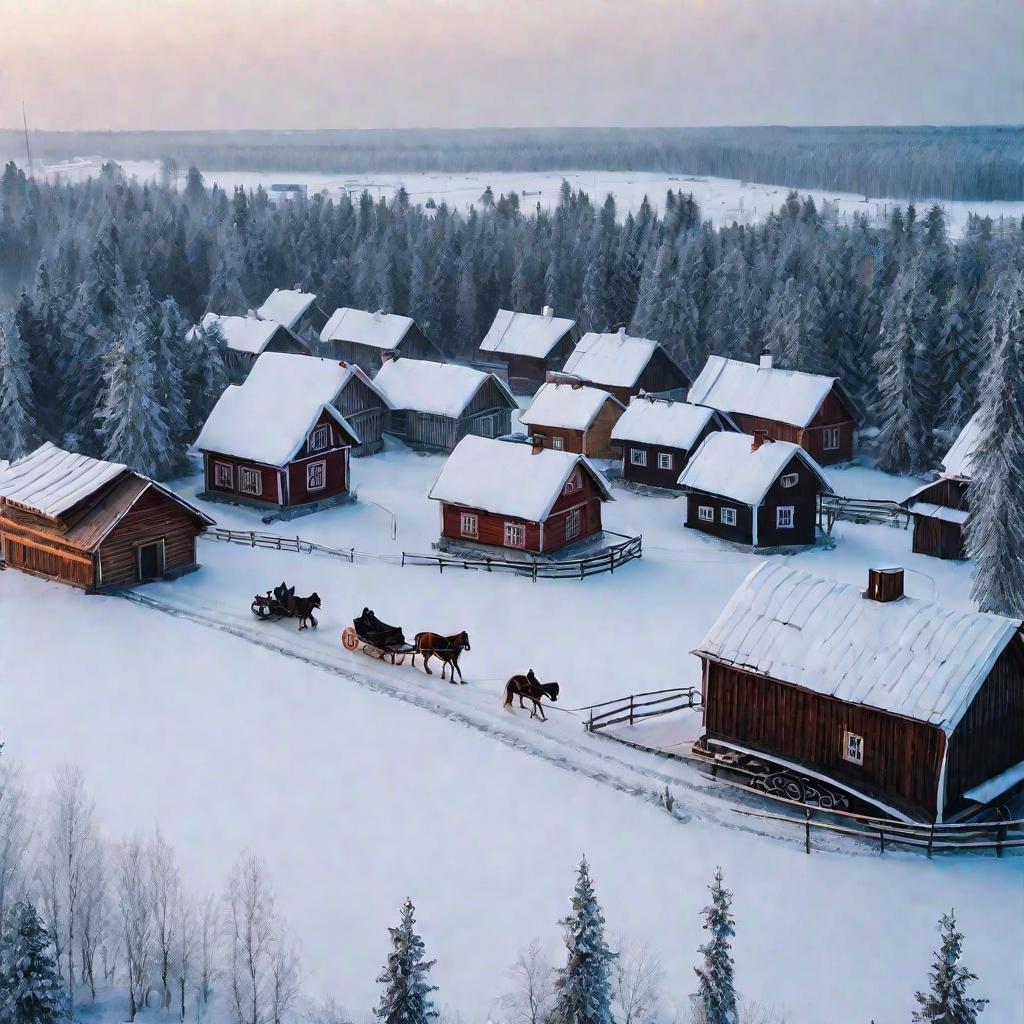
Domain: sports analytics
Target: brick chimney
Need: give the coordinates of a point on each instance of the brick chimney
(766, 359)
(760, 437)
(537, 440)
(884, 585)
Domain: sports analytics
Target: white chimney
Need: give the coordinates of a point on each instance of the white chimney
(547, 312)
(766, 359)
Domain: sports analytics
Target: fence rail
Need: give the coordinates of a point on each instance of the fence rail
(637, 707)
(862, 510)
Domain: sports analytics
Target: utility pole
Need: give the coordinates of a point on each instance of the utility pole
(28, 152)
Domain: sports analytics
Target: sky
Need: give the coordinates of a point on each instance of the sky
(221, 64)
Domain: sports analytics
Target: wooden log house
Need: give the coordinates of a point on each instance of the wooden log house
(522, 497)
(367, 339)
(92, 524)
(529, 346)
(909, 705)
(573, 418)
(808, 409)
(247, 338)
(295, 309)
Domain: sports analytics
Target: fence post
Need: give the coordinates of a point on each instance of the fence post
(931, 839)
(807, 830)
(881, 840)
(352, 555)
(252, 538)
(403, 559)
(1000, 836)
(631, 709)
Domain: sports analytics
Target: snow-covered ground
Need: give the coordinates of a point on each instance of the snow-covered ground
(356, 800)
(722, 200)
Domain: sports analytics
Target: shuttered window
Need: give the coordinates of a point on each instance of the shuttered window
(250, 481)
(224, 476)
(515, 535)
(316, 476)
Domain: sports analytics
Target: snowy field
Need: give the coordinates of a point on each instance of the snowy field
(360, 784)
(722, 200)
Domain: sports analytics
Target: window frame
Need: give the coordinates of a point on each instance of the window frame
(706, 513)
(217, 481)
(779, 524)
(512, 530)
(827, 434)
(574, 523)
(665, 460)
(558, 444)
(638, 457)
(257, 477)
(473, 532)
(727, 516)
(574, 483)
(853, 747)
(320, 464)
(789, 479)
(313, 443)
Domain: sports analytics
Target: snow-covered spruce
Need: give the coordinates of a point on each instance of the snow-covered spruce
(406, 998)
(947, 1001)
(30, 987)
(715, 998)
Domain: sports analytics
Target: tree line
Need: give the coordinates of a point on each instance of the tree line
(80, 917)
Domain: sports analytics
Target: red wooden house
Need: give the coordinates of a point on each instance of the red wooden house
(519, 496)
(278, 440)
(808, 409)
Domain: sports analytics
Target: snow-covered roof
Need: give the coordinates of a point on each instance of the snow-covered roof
(525, 334)
(615, 360)
(379, 330)
(267, 418)
(671, 424)
(958, 459)
(790, 396)
(509, 479)
(244, 333)
(51, 481)
(569, 406)
(933, 511)
(286, 306)
(908, 657)
(441, 389)
(725, 464)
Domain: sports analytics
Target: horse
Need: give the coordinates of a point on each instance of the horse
(303, 608)
(446, 648)
(530, 687)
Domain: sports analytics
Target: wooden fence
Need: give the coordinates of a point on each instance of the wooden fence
(861, 510)
(638, 706)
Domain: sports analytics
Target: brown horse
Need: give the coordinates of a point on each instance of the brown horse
(530, 687)
(302, 607)
(446, 648)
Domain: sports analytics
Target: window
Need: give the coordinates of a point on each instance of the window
(637, 456)
(250, 481)
(784, 517)
(558, 444)
(224, 476)
(469, 525)
(728, 517)
(664, 460)
(320, 438)
(490, 426)
(790, 480)
(830, 438)
(574, 483)
(573, 524)
(706, 513)
(515, 535)
(853, 747)
(316, 474)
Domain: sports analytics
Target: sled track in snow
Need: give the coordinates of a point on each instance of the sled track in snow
(586, 759)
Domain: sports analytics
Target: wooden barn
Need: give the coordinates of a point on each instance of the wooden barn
(366, 339)
(295, 309)
(656, 437)
(573, 418)
(625, 366)
(753, 490)
(435, 405)
(529, 346)
(509, 495)
(809, 409)
(247, 338)
(92, 524)
(913, 706)
(279, 440)
(940, 509)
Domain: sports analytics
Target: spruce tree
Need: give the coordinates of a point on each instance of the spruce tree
(947, 1002)
(406, 996)
(205, 374)
(30, 986)
(715, 998)
(17, 419)
(583, 988)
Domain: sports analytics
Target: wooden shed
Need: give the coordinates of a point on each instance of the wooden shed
(519, 496)
(915, 707)
(92, 524)
(435, 405)
(248, 337)
(279, 440)
(366, 339)
(295, 309)
(808, 409)
(573, 418)
(656, 437)
(753, 490)
(529, 345)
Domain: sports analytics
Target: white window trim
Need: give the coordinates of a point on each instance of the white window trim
(853, 747)
(469, 525)
(310, 467)
(637, 457)
(706, 513)
(257, 477)
(574, 523)
(790, 479)
(514, 529)
(779, 524)
(217, 482)
(314, 444)
(558, 444)
(728, 516)
(664, 460)
(574, 483)
(827, 434)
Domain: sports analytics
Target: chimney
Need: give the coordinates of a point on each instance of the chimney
(538, 444)
(766, 359)
(760, 437)
(884, 585)
(252, 314)
(547, 312)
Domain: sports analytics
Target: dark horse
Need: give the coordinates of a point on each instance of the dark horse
(530, 687)
(446, 648)
(301, 607)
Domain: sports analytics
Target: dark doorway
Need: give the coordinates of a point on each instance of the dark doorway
(151, 560)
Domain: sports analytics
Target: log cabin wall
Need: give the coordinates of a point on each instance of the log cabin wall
(317, 477)
(367, 413)
(742, 532)
(490, 528)
(936, 537)
(41, 556)
(572, 440)
(802, 497)
(659, 375)
(649, 472)
(489, 414)
(902, 758)
(269, 476)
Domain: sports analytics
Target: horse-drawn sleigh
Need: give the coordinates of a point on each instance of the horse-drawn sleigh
(379, 640)
(281, 603)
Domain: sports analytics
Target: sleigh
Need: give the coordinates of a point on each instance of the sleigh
(376, 639)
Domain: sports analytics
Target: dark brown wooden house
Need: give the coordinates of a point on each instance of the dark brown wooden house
(910, 705)
(94, 525)
(295, 309)
(656, 437)
(529, 346)
(366, 339)
(940, 509)
(573, 418)
(521, 497)
(625, 366)
(279, 440)
(752, 490)
(808, 409)
(247, 338)
(435, 405)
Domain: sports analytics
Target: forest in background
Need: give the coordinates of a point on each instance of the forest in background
(976, 162)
